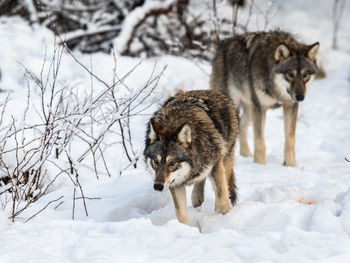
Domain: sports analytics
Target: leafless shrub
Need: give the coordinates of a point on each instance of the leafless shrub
(69, 127)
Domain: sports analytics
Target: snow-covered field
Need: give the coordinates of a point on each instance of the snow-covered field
(283, 214)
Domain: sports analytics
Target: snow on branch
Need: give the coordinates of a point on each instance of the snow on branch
(32, 10)
(136, 18)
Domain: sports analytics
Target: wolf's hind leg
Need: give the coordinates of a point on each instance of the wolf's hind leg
(218, 180)
(244, 122)
(230, 177)
(197, 196)
(179, 199)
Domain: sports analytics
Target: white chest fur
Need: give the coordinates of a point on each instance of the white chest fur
(265, 100)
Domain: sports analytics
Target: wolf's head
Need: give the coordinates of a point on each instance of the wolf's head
(294, 70)
(167, 154)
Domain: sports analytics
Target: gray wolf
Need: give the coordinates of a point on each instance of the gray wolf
(192, 137)
(260, 71)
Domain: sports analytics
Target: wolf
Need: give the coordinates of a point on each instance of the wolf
(261, 71)
(192, 137)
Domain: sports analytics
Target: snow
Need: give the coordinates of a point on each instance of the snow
(283, 214)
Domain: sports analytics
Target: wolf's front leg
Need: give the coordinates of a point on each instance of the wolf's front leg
(218, 180)
(244, 122)
(259, 115)
(179, 199)
(197, 196)
(290, 113)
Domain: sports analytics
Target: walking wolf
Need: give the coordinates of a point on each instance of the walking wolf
(260, 71)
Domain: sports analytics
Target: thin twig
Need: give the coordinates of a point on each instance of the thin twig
(49, 203)
(73, 206)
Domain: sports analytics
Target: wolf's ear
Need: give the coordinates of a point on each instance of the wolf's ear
(282, 52)
(312, 53)
(184, 135)
(155, 129)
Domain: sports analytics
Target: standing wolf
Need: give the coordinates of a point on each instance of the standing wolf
(264, 70)
(191, 137)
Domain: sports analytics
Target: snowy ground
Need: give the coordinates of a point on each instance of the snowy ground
(283, 214)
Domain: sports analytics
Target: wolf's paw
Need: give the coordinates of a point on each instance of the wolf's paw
(245, 152)
(289, 162)
(197, 202)
(259, 158)
(197, 199)
(223, 207)
(184, 220)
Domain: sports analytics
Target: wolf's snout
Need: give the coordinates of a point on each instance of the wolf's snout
(300, 97)
(158, 187)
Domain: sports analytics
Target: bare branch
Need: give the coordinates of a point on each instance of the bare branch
(49, 203)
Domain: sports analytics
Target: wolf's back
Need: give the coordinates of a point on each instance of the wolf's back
(248, 55)
(209, 113)
(230, 63)
(201, 108)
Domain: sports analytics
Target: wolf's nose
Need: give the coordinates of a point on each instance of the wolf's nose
(158, 187)
(299, 97)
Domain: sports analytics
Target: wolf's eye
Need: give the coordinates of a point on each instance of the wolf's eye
(306, 75)
(172, 163)
(289, 74)
(155, 162)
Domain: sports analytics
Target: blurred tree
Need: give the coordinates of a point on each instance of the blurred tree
(132, 27)
(337, 15)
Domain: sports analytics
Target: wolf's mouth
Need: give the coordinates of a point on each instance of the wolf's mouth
(291, 95)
